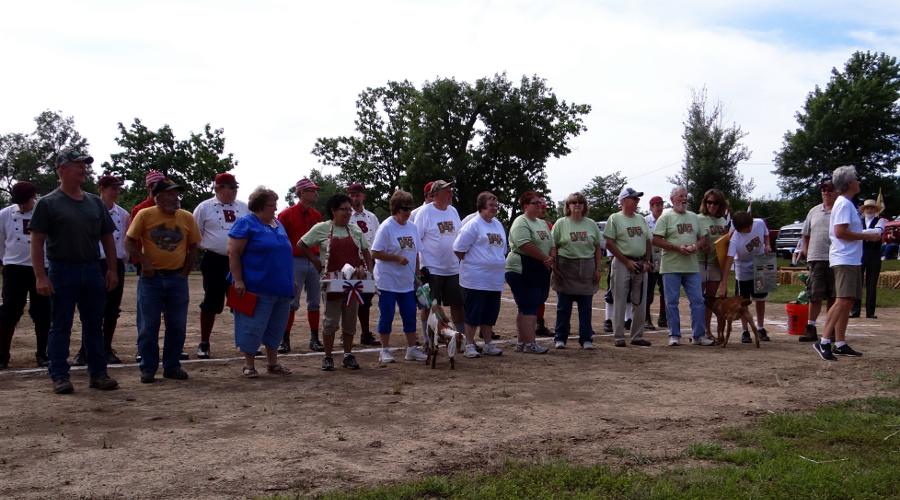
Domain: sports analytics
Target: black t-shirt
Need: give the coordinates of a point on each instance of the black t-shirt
(73, 227)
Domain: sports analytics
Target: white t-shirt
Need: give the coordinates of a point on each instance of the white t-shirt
(484, 244)
(845, 252)
(395, 238)
(415, 213)
(744, 246)
(214, 220)
(15, 236)
(367, 223)
(121, 218)
(437, 231)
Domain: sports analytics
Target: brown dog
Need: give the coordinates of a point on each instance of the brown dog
(728, 309)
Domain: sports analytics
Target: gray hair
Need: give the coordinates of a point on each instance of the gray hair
(677, 189)
(842, 177)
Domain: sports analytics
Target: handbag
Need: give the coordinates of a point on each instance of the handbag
(244, 304)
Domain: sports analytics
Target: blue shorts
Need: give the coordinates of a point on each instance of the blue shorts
(482, 307)
(406, 301)
(265, 327)
(528, 298)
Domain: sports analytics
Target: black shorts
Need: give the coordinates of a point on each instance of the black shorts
(214, 268)
(446, 289)
(745, 290)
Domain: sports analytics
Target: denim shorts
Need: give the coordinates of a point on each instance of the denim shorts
(265, 327)
(482, 307)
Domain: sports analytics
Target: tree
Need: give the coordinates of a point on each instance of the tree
(711, 153)
(191, 163)
(32, 156)
(855, 121)
(490, 135)
(602, 194)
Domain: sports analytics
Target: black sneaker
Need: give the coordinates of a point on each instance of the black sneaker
(824, 351)
(42, 360)
(315, 345)
(368, 339)
(203, 351)
(104, 383)
(494, 336)
(4, 365)
(662, 323)
(763, 335)
(871, 316)
(627, 325)
(183, 356)
(148, 377)
(327, 364)
(176, 374)
(79, 359)
(846, 350)
(350, 363)
(542, 331)
(137, 357)
(745, 337)
(648, 325)
(607, 326)
(641, 342)
(854, 315)
(63, 386)
(284, 347)
(112, 359)
(810, 335)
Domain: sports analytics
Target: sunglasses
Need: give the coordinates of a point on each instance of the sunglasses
(712, 202)
(406, 209)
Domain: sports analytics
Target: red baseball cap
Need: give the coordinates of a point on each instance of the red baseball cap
(428, 188)
(226, 178)
(656, 199)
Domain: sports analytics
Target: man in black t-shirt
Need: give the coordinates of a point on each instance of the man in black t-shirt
(72, 223)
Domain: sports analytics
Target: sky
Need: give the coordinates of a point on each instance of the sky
(277, 75)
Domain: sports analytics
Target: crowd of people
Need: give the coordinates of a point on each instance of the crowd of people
(68, 250)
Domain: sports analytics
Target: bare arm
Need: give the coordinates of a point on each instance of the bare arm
(112, 272)
(723, 285)
(843, 232)
(189, 259)
(307, 253)
(43, 285)
(235, 251)
(661, 242)
(134, 249)
(389, 257)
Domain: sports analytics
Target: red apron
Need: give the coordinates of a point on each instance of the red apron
(341, 251)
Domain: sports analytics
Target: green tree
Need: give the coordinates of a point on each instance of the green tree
(328, 187)
(32, 156)
(711, 153)
(491, 135)
(191, 163)
(602, 194)
(854, 120)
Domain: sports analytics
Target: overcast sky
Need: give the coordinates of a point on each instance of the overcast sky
(276, 75)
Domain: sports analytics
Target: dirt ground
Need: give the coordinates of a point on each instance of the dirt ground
(218, 435)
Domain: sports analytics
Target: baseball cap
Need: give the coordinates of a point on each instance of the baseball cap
(655, 200)
(153, 177)
(71, 155)
(109, 180)
(22, 192)
(164, 185)
(440, 185)
(304, 184)
(356, 188)
(427, 188)
(627, 192)
(226, 178)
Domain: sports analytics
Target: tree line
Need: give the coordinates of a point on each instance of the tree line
(496, 134)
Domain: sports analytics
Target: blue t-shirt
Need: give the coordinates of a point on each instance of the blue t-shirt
(267, 262)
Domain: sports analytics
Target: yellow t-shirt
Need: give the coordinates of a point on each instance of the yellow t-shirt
(165, 238)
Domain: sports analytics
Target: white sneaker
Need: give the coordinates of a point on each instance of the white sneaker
(534, 348)
(674, 341)
(489, 349)
(704, 341)
(587, 345)
(471, 352)
(415, 354)
(559, 344)
(385, 356)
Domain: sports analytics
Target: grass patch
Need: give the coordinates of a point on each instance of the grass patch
(846, 450)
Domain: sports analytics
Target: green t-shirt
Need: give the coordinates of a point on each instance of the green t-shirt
(318, 236)
(576, 240)
(630, 234)
(715, 228)
(525, 230)
(73, 227)
(678, 229)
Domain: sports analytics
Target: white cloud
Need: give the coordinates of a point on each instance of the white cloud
(277, 75)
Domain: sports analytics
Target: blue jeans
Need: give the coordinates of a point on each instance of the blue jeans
(564, 303)
(162, 295)
(265, 327)
(406, 301)
(672, 283)
(78, 284)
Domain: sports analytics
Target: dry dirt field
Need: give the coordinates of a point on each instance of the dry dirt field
(218, 435)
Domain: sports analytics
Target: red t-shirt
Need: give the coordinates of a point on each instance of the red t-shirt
(297, 221)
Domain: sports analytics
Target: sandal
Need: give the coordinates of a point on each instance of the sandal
(278, 370)
(250, 372)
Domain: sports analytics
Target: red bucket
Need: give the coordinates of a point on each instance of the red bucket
(797, 317)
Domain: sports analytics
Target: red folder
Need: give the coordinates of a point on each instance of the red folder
(245, 304)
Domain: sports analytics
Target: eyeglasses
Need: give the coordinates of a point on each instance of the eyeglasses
(406, 209)
(712, 202)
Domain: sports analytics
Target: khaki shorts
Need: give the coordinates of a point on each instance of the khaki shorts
(339, 316)
(820, 285)
(847, 281)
